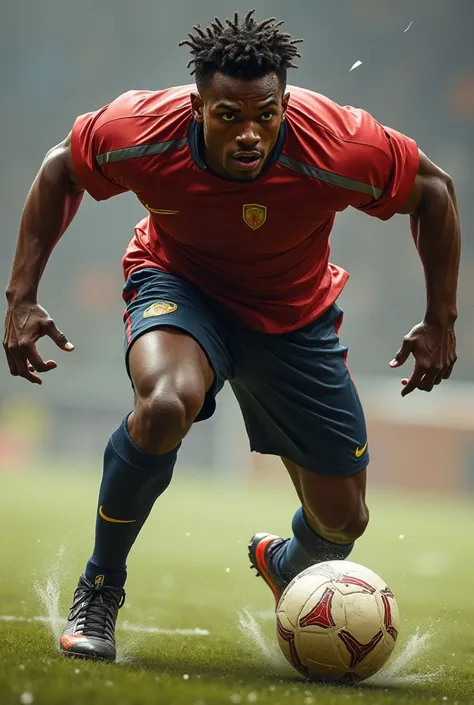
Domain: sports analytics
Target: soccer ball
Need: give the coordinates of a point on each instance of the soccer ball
(337, 621)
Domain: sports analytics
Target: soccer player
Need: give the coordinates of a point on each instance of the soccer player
(227, 278)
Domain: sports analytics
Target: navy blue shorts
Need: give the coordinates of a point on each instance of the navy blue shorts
(295, 390)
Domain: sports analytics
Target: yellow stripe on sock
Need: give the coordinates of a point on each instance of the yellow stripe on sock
(115, 521)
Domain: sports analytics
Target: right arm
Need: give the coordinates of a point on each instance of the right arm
(51, 205)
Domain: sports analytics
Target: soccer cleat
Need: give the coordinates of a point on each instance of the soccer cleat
(90, 628)
(263, 549)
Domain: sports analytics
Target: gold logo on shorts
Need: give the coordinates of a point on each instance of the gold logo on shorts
(360, 451)
(254, 215)
(160, 308)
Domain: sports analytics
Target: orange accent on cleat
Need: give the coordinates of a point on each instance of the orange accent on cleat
(262, 564)
(68, 640)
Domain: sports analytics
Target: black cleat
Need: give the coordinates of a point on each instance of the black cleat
(90, 628)
(262, 551)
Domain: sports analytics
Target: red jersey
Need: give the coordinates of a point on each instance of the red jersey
(259, 247)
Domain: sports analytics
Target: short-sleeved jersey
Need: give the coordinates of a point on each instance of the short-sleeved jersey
(261, 248)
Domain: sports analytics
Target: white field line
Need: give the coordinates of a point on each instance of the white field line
(124, 626)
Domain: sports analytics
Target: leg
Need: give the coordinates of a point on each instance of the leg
(334, 507)
(299, 401)
(171, 376)
(333, 515)
(174, 382)
(168, 357)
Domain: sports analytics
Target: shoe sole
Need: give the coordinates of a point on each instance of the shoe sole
(84, 657)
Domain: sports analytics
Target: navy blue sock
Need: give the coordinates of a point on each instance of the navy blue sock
(131, 482)
(307, 548)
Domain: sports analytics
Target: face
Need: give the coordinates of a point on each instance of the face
(241, 120)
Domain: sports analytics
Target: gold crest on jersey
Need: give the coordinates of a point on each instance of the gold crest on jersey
(254, 215)
(160, 308)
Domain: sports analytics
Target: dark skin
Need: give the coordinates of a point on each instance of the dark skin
(239, 117)
(434, 223)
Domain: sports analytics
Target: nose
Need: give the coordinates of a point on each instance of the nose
(248, 137)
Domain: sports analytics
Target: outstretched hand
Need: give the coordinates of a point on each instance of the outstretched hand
(434, 348)
(25, 324)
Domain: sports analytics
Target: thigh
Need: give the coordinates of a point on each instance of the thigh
(173, 338)
(299, 401)
(168, 358)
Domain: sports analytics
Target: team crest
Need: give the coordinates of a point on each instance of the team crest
(254, 215)
(160, 308)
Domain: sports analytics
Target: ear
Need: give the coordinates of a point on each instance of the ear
(197, 107)
(284, 102)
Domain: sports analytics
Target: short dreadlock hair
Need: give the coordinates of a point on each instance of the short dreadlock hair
(246, 49)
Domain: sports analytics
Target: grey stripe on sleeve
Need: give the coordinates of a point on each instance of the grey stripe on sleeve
(329, 177)
(141, 150)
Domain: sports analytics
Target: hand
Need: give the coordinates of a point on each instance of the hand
(434, 348)
(25, 324)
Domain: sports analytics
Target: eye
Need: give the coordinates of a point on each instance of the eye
(266, 117)
(228, 117)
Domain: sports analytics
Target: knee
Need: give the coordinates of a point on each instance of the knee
(163, 417)
(340, 526)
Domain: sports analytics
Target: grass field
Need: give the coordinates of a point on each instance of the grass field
(189, 570)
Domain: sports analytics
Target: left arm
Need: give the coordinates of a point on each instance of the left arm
(434, 221)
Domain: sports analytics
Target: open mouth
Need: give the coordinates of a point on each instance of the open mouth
(247, 160)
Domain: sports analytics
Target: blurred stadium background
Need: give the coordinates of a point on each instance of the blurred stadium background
(62, 59)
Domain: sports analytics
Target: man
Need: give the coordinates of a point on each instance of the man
(227, 278)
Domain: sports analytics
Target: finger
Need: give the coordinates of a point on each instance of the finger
(402, 355)
(428, 381)
(414, 381)
(447, 374)
(444, 374)
(59, 338)
(37, 362)
(11, 362)
(24, 369)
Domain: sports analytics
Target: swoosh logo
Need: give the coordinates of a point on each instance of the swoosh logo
(160, 211)
(115, 521)
(360, 451)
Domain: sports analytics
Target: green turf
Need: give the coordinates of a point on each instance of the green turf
(203, 580)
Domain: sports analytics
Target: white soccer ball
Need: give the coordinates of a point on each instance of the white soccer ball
(337, 622)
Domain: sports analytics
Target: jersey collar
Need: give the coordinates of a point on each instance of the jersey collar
(196, 144)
